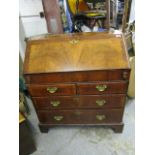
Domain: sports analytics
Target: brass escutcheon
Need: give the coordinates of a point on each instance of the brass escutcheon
(73, 41)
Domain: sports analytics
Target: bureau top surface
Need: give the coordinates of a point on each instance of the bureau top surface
(75, 52)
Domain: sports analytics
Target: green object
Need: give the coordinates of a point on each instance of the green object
(22, 86)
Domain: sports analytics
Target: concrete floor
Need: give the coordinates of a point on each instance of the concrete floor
(85, 140)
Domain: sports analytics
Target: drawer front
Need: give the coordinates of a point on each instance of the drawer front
(50, 90)
(102, 88)
(55, 102)
(102, 101)
(89, 101)
(84, 76)
(80, 116)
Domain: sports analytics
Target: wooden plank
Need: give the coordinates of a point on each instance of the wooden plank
(52, 15)
(108, 14)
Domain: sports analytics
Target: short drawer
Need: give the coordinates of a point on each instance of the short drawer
(55, 102)
(50, 90)
(80, 116)
(80, 102)
(102, 101)
(102, 88)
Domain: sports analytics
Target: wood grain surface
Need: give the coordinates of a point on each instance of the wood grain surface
(63, 53)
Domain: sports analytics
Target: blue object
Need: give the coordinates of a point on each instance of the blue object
(69, 20)
(101, 30)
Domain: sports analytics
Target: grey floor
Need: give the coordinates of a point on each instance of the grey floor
(85, 140)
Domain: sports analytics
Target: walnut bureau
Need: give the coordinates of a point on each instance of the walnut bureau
(78, 79)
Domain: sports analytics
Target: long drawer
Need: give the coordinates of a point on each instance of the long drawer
(80, 116)
(86, 101)
(86, 76)
(50, 90)
(102, 87)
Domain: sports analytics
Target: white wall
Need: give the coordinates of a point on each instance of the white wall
(132, 12)
(30, 16)
(30, 22)
(22, 44)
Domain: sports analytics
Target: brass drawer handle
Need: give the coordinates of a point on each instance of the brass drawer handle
(100, 102)
(100, 117)
(101, 87)
(58, 118)
(55, 103)
(52, 89)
